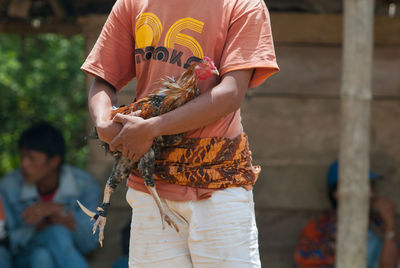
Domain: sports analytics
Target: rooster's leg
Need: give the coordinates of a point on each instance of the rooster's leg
(120, 171)
(165, 216)
(146, 168)
(101, 215)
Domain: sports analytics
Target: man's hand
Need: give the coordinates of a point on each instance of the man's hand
(135, 138)
(66, 219)
(107, 130)
(38, 211)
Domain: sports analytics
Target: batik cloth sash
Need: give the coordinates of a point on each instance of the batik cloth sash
(213, 163)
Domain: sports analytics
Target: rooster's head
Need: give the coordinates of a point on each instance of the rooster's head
(205, 69)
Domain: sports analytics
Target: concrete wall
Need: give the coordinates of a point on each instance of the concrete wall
(293, 124)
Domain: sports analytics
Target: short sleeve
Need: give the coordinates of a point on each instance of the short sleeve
(249, 42)
(112, 57)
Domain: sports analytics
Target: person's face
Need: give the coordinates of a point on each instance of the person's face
(372, 193)
(36, 165)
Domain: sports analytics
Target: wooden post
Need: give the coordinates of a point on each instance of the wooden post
(355, 126)
(58, 9)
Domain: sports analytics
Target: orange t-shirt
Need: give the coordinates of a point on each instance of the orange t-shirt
(148, 39)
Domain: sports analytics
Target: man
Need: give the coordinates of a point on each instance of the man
(149, 39)
(317, 241)
(46, 227)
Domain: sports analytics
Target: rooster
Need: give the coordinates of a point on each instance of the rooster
(171, 94)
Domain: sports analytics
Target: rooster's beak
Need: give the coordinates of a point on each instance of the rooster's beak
(215, 71)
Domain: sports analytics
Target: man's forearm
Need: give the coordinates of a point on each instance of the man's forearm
(207, 108)
(102, 97)
(389, 254)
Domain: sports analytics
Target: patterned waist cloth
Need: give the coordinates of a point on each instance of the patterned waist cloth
(212, 163)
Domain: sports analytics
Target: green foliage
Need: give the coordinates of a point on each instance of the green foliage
(40, 79)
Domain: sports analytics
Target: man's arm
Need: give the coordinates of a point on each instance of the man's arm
(389, 253)
(210, 106)
(102, 97)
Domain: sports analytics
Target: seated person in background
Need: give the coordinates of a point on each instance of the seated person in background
(316, 247)
(5, 256)
(46, 226)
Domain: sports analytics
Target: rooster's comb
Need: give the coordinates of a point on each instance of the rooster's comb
(209, 62)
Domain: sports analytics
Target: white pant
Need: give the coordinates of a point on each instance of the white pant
(221, 232)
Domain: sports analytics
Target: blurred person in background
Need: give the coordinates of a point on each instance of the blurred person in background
(316, 246)
(46, 227)
(5, 256)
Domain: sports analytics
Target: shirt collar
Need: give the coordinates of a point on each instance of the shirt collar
(67, 187)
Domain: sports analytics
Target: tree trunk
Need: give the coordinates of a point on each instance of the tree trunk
(355, 126)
